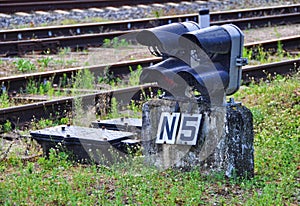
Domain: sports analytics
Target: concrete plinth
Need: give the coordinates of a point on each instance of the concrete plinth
(224, 141)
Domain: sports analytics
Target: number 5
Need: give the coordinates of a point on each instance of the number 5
(189, 128)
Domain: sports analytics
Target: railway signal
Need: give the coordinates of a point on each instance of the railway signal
(207, 60)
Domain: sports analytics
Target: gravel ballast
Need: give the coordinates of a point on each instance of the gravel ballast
(35, 19)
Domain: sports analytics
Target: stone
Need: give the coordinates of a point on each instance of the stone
(224, 142)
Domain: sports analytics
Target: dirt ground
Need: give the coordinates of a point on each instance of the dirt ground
(261, 34)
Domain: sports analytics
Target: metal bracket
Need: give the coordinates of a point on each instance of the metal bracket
(232, 103)
(241, 61)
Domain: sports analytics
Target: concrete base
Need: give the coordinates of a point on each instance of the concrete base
(224, 144)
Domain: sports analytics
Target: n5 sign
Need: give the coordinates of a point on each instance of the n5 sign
(169, 133)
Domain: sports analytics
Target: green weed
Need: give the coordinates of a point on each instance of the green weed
(64, 51)
(275, 106)
(43, 88)
(114, 109)
(158, 13)
(115, 43)
(84, 79)
(261, 56)
(24, 65)
(134, 78)
(7, 126)
(135, 108)
(4, 100)
(109, 78)
(44, 62)
(31, 87)
(43, 123)
(248, 53)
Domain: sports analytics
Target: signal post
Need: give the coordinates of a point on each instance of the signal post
(191, 125)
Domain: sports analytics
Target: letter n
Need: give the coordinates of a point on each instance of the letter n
(167, 128)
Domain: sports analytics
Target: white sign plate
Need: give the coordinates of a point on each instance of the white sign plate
(178, 128)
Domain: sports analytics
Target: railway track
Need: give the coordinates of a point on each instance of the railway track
(15, 83)
(70, 30)
(57, 108)
(20, 41)
(21, 115)
(34, 5)
(256, 73)
(118, 70)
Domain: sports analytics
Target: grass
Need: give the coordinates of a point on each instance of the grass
(259, 55)
(276, 111)
(4, 100)
(6, 127)
(115, 43)
(24, 65)
(132, 79)
(84, 79)
(45, 61)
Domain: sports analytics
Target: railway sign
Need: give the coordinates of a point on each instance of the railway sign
(177, 128)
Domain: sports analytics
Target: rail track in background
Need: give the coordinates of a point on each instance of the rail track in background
(76, 29)
(20, 41)
(35, 5)
(15, 83)
(56, 108)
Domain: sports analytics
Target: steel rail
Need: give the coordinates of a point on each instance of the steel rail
(287, 43)
(27, 6)
(77, 29)
(259, 11)
(14, 83)
(82, 41)
(56, 108)
(265, 71)
(12, 6)
(21, 115)
(256, 22)
(75, 42)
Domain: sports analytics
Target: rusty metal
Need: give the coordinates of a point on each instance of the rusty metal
(8, 48)
(120, 124)
(263, 21)
(27, 6)
(14, 83)
(264, 71)
(21, 115)
(79, 29)
(86, 144)
(76, 42)
(287, 43)
(53, 109)
(255, 12)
